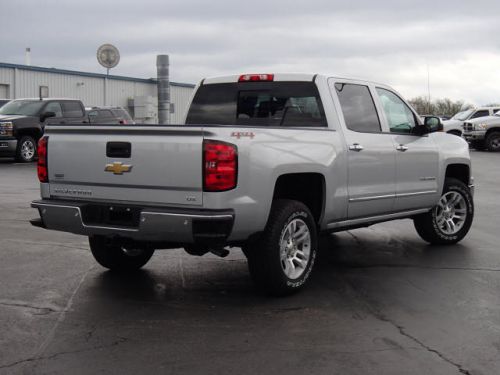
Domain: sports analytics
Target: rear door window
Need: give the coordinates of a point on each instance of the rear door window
(358, 108)
(54, 107)
(121, 113)
(288, 104)
(105, 114)
(72, 109)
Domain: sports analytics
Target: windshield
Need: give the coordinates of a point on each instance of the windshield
(22, 107)
(462, 116)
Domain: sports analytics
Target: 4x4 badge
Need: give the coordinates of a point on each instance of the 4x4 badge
(118, 168)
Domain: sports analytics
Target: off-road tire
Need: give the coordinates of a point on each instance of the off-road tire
(22, 154)
(113, 256)
(493, 141)
(427, 224)
(264, 254)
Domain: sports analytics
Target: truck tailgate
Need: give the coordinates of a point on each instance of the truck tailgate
(92, 163)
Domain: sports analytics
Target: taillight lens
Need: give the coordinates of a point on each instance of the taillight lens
(43, 172)
(256, 78)
(220, 163)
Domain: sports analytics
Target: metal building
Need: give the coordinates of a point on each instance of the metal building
(137, 95)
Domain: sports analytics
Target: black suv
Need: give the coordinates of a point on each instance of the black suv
(109, 115)
(22, 122)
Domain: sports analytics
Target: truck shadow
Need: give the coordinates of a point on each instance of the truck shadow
(174, 279)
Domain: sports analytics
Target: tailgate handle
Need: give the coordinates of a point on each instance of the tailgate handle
(118, 149)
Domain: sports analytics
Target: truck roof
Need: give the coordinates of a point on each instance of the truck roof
(45, 99)
(276, 77)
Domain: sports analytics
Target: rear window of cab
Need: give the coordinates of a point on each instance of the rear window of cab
(287, 104)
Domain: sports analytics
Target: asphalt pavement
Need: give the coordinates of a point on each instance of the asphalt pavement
(381, 301)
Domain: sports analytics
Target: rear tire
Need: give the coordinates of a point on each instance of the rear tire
(26, 149)
(493, 141)
(281, 260)
(450, 220)
(117, 258)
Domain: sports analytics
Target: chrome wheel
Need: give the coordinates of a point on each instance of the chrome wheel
(495, 143)
(295, 248)
(451, 213)
(28, 150)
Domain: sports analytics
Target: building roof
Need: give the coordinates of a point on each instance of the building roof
(88, 74)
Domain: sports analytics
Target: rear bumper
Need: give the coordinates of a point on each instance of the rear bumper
(148, 224)
(8, 146)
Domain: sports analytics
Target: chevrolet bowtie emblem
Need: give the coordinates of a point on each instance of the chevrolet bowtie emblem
(118, 168)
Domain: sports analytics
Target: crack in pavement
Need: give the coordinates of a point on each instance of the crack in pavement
(416, 266)
(21, 304)
(51, 334)
(401, 329)
(117, 342)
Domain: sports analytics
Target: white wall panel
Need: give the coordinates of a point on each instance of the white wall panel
(87, 88)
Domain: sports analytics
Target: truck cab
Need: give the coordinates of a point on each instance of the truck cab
(22, 123)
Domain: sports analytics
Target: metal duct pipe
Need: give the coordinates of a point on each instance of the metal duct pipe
(163, 89)
(27, 56)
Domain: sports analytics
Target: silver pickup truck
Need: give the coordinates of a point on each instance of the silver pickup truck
(265, 162)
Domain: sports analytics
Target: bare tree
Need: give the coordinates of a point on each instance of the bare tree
(441, 107)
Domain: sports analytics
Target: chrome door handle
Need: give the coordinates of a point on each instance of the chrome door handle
(356, 147)
(402, 148)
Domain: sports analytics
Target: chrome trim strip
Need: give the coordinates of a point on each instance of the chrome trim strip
(189, 215)
(402, 195)
(372, 198)
(403, 214)
(416, 193)
(152, 187)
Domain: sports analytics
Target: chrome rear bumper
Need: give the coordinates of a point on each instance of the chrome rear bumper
(151, 224)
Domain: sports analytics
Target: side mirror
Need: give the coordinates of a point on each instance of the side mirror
(44, 116)
(433, 124)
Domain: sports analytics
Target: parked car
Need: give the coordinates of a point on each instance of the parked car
(456, 124)
(109, 115)
(3, 102)
(265, 162)
(22, 123)
(484, 132)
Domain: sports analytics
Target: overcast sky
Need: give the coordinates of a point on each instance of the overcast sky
(387, 41)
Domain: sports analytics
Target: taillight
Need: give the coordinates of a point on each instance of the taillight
(43, 173)
(123, 122)
(256, 78)
(220, 166)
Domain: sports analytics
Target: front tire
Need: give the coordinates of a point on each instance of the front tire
(117, 257)
(493, 141)
(281, 261)
(450, 220)
(26, 149)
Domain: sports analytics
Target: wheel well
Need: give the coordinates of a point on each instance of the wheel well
(35, 133)
(308, 188)
(455, 132)
(493, 130)
(459, 171)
